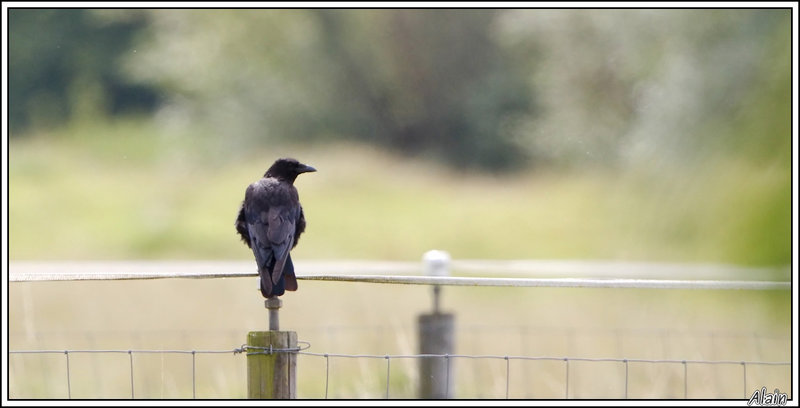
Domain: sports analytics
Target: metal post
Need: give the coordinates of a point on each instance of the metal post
(437, 289)
(436, 337)
(436, 263)
(273, 304)
(271, 363)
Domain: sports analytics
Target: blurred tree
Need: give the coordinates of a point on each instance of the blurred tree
(653, 86)
(427, 80)
(415, 80)
(245, 76)
(63, 64)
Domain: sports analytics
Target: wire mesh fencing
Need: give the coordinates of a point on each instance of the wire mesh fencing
(624, 366)
(130, 354)
(524, 338)
(391, 376)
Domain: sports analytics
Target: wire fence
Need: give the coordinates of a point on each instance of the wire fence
(512, 375)
(566, 360)
(130, 354)
(747, 388)
(600, 274)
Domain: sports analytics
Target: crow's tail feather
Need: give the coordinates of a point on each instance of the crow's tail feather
(268, 289)
(266, 282)
(286, 280)
(288, 275)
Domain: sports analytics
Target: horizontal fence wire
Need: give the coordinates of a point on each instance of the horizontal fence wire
(537, 272)
(386, 273)
(249, 350)
(554, 282)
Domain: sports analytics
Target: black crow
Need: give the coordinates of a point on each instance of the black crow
(270, 222)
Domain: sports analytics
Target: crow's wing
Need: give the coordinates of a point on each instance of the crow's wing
(281, 221)
(262, 250)
(255, 204)
(241, 226)
(300, 226)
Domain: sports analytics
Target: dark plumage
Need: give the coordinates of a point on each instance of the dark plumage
(270, 222)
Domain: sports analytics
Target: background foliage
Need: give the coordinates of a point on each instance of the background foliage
(489, 88)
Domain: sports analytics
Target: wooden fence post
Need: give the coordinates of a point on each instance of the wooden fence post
(271, 365)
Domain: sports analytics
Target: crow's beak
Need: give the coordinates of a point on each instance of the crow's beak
(307, 169)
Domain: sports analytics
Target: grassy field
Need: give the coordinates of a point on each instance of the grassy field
(140, 194)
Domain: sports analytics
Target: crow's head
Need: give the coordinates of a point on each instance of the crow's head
(287, 169)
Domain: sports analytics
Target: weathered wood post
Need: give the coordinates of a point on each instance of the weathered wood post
(436, 337)
(271, 363)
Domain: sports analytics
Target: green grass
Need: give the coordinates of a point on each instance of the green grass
(127, 190)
